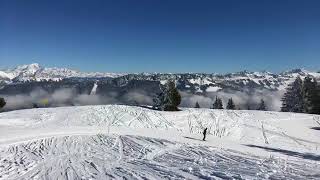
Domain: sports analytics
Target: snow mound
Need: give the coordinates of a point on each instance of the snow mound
(235, 125)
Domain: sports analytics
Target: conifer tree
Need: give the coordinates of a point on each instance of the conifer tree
(262, 106)
(248, 107)
(310, 95)
(230, 104)
(316, 101)
(158, 101)
(2, 102)
(218, 103)
(169, 99)
(197, 105)
(292, 100)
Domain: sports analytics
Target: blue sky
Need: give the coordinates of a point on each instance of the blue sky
(161, 35)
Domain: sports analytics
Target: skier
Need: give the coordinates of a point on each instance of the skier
(204, 134)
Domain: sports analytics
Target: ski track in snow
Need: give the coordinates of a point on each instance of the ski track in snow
(103, 156)
(93, 142)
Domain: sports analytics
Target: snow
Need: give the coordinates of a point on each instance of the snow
(195, 81)
(201, 81)
(4, 75)
(213, 89)
(116, 141)
(35, 72)
(94, 89)
(163, 82)
(198, 90)
(206, 81)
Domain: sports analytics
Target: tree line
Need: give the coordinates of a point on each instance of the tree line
(169, 100)
(231, 105)
(301, 96)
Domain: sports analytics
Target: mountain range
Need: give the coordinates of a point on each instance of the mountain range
(35, 72)
(139, 88)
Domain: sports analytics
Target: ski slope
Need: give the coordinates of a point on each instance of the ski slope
(115, 142)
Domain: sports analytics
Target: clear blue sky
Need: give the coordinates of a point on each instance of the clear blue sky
(161, 35)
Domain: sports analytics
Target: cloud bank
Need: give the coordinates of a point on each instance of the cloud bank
(68, 97)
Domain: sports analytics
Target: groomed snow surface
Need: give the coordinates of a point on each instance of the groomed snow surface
(116, 142)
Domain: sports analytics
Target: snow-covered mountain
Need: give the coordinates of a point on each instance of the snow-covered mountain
(196, 82)
(247, 88)
(35, 72)
(127, 142)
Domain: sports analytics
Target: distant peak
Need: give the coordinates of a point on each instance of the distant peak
(34, 65)
(29, 66)
(297, 71)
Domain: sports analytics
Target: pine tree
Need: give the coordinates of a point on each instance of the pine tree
(230, 104)
(174, 97)
(292, 100)
(197, 105)
(262, 106)
(2, 102)
(315, 106)
(169, 99)
(310, 95)
(159, 101)
(215, 104)
(218, 103)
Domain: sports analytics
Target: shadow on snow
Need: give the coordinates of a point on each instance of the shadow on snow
(192, 138)
(308, 156)
(315, 128)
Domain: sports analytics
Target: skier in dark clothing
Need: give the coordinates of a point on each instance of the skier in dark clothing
(205, 133)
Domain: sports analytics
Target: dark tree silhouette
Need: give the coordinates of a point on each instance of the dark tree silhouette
(2, 102)
(218, 103)
(311, 103)
(262, 106)
(292, 100)
(197, 105)
(169, 99)
(230, 104)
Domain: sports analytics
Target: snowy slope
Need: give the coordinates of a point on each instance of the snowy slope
(107, 142)
(5, 76)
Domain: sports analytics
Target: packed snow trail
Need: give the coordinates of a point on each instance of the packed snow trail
(101, 156)
(114, 141)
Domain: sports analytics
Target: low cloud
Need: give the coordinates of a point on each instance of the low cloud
(68, 96)
(189, 100)
(241, 99)
(138, 97)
